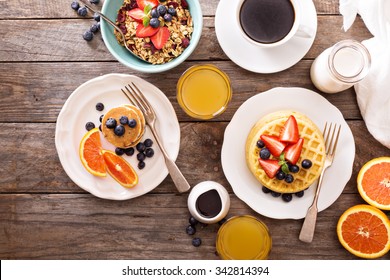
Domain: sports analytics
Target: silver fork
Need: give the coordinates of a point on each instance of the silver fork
(137, 98)
(308, 227)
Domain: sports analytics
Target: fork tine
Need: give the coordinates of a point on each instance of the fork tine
(334, 146)
(141, 98)
(129, 96)
(326, 136)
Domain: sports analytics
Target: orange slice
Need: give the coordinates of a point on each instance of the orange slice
(374, 182)
(90, 152)
(120, 169)
(364, 231)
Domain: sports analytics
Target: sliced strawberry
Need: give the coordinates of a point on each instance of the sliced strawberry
(270, 166)
(143, 3)
(136, 14)
(147, 31)
(160, 38)
(274, 145)
(293, 151)
(289, 133)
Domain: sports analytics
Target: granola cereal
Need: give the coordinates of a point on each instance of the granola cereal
(156, 31)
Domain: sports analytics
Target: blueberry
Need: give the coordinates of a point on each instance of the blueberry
(289, 178)
(96, 17)
(260, 144)
(265, 190)
(172, 11)
(82, 11)
(129, 151)
(141, 156)
(300, 194)
(101, 118)
(275, 194)
(280, 175)
(88, 35)
(287, 197)
(293, 168)
(148, 143)
(196, 241)
(119, 130)
(154, 13)
(140, 147)
(192, 221)
(168, 17)
(149, 152)
(119, 151)
(75, 5)
(190, 230)
(141, 165)
(265, 153)
(161, 9)
(123, 120)
(95, 28)
(100, 127)
(94, 1)
(132, 123)
(111, 123)
(89, 126)
(99, 106)
(306, 163)
(154, 22)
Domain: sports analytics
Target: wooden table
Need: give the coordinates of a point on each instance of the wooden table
(44, 215)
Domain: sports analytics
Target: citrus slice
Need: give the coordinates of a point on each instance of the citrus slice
(364, 231)
(374, 182)
(120, 169)
(90, 153)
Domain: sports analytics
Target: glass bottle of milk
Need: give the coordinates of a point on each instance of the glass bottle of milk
(340, 66)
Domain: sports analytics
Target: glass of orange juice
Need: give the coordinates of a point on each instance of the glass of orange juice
(204, 91)
(243, 238)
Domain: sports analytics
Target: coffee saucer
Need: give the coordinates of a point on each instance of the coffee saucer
(257, 59)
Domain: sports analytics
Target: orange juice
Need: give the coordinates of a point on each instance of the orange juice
(204, 91)
(243, 238)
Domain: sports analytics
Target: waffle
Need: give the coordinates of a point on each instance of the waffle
(313, 149)
(132, 135)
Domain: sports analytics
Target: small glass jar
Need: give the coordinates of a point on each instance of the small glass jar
(340, 66)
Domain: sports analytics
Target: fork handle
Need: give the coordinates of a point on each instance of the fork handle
(176, 175)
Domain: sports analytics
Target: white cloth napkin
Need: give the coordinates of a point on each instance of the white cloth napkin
(373, 92)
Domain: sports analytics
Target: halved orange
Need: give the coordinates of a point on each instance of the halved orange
(364, 231)
(373, 182)
(90, 152)
(120, 169)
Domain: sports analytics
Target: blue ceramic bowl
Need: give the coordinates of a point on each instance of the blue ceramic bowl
(111, 8)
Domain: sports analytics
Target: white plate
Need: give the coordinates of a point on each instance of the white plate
(257, 59)
(245, 185)
(80, 108)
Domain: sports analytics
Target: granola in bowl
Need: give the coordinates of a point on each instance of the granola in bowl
(156, 31)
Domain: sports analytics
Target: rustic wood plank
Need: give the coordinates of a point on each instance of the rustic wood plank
(61, 40)
(29, 162)
(36, 92)
(78, 226)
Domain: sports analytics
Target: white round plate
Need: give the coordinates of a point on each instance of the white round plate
(257, 59)
(245, 185)
(80, 108)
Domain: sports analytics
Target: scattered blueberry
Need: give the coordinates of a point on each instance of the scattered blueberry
(280, 175)
(168, 17)
(275, 194)
(101, 118)
(293, 168)
(123, 120)
(75, 5)
(141, 165)
(119, 130)
(266, 190)
(190, 230)
(99, 106)
(140, 147)
(88, 35)
(289, 178)
(161, 9)
(119, 151)
(196, 241)
(111, 123)
(96, 17)
(82, 11)
(192, 221)
(154, 13)
(149, 152)
(154, 22)
(287, 197)
(94, 1)
(89, 126)
(100, 127)
(95, 27)
(141, 156)
(265, 153)
(132, 123)
(306, 163)
(172, 11)
(129, 151)
(148, 143)
(300, 194)
(260, 144)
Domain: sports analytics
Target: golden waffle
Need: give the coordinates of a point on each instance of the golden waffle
(313, 149)
(132, 135)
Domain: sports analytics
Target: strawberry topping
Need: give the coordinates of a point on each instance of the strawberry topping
(289, 133)
(143, 3)
(293, 152)
(147, 31)
(136, 14)
(270, 166)
(160, 38)
(274, 145)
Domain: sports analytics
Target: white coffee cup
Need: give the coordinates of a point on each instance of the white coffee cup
(297, 29)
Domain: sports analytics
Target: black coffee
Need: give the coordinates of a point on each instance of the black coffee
(209, 204)
(267, 21)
